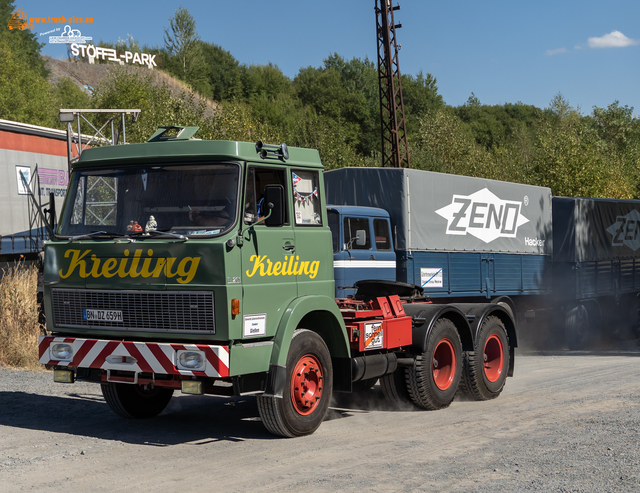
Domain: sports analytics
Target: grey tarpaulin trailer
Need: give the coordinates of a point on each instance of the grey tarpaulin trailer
(455, 235)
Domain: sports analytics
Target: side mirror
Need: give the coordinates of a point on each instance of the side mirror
(274, 202)
(361, 237)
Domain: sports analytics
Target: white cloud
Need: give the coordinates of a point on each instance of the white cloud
(615, 39)
(556, 51)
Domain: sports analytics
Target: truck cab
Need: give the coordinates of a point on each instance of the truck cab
(362, 246)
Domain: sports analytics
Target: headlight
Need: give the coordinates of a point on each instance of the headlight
(62, 352)
(191, 360)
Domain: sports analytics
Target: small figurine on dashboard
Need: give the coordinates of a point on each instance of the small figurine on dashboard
(136, 228)
(151, 225)
(130, 226)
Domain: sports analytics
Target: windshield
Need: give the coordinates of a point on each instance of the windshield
(184, 199)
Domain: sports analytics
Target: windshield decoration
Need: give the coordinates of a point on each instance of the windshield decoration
(136, 266)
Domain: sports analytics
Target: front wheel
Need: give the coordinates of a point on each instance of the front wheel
(306, 397)
(135, 401)
(433, 379)
(485, 368)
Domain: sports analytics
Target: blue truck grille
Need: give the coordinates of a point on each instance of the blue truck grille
(159, 311)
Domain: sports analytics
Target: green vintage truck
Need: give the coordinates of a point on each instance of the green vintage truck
(206, 267)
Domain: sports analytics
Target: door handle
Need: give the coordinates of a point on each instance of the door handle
(289, 248)
(372, 257)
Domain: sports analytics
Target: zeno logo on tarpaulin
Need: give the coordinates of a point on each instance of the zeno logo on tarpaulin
(625, 231)
(483, 215)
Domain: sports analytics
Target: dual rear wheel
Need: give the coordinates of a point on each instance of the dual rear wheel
(432, 381)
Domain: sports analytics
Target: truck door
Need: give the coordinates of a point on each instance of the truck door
(313, 260)
(267, 281)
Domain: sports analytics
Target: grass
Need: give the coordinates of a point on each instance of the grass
(19, 317)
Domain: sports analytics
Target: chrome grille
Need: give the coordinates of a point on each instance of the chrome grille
(166, 311)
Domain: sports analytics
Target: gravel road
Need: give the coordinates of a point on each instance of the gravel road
(565, 422)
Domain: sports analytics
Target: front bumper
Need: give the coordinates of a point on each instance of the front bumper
(137, 357)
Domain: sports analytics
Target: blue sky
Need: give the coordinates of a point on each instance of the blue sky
(502, 51)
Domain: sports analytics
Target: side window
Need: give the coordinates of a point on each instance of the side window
(257, 179)
(306, 198)
(334, 226)
(351, 227)
(381, 233)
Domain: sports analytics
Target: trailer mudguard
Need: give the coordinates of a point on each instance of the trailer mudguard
(425, 316)
(314, 312)
(477, 313)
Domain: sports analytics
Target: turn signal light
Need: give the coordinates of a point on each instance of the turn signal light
(235, 307)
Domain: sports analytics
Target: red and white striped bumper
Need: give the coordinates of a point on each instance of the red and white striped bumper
(139, 357)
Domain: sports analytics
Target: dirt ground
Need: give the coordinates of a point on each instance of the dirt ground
(565, 422)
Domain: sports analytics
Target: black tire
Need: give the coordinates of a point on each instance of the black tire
(577, 329)
(304, 403)
(485, 369)
(133, 401)
(433, 380)
(634, 318)
(364, 385)
(394, 388)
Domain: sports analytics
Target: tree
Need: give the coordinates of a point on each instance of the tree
(25, 95)
(222, 72)
(24, 44)
(616, 125)
(181, 42)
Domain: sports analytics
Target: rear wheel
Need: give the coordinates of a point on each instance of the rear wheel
(434, 377)
(306, 397)
(394, 388)
(135, 401)
(577, 329)
(485, 369)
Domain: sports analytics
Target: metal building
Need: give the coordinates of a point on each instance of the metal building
(37, 155)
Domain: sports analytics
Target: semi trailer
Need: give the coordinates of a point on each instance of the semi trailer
(567, 267)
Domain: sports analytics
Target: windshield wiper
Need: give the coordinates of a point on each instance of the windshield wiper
(95, 233)
(87, 235)
(160, 232)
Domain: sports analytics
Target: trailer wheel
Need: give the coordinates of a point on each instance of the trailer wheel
(433, 379)
(306, 397)
(394, 388)
(634, 318)
(577, 329)
(134, 401)
(485, 369)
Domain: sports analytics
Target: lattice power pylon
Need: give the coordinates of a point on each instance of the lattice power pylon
(395, 151)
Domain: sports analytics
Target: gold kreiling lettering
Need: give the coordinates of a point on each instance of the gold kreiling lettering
(88, 265)
(291, 266)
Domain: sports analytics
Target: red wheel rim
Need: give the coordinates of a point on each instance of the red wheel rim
(493, 358)
(444, 364)
(306, 384)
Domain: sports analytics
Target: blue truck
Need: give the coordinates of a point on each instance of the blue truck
(567, 268)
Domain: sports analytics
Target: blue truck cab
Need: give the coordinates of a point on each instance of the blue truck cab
(362, 246)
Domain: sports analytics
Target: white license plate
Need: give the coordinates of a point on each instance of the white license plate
(101, 315)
